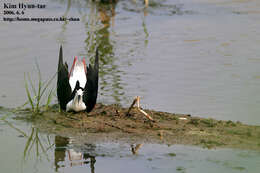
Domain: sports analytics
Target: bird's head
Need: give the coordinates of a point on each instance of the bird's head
(78, 98)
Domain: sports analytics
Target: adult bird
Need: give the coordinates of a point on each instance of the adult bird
(77, 90)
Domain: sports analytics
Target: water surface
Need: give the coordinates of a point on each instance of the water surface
(26, 149)
(191, 56)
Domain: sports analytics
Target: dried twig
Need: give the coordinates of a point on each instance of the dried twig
(130, 108)
(137, 101)
(138, 107)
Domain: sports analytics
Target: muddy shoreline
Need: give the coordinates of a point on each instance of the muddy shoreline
(110, 123)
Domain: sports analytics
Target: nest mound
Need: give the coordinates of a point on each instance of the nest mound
(114, 123)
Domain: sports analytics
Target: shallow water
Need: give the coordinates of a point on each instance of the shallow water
(186, 56)
(27, 150)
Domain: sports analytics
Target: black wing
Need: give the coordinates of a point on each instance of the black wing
(63, 85)
(91, 87)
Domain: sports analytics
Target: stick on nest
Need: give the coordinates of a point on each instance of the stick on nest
(137, 101)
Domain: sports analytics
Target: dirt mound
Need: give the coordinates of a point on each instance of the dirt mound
(112, 123)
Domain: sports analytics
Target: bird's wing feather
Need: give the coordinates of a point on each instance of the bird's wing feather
(63, 86)
(91, 87)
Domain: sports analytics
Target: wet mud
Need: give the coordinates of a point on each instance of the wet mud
(111, 123)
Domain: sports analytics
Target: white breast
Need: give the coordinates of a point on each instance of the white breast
(76, 104)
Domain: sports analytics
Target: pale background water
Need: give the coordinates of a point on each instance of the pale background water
(187, 56)
(200, 57)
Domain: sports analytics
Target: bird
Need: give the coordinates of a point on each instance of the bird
(77, 90)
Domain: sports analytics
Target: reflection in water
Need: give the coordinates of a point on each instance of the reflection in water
(35, 144)
(61, 38)
(135, 148)
(34, 141)
(156, 7)
(145, 31)
(63, 152)
(72, 156)
(78, 156)
(99, 36)
(107, 13)
(97, 22)
(60, 151)
(98, 18)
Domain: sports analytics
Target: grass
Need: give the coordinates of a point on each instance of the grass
(211, 143)
(241, 132)
(35, 93)
(209, 122)
(194, 121)
(231, 123)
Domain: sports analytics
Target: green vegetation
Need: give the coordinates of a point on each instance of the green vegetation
(240, 132)
(194, 121)
(231, 123)
(180, 168)
(35, 93)
(210, 143)
(209, 122)
(171, 154)
(240, 168)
